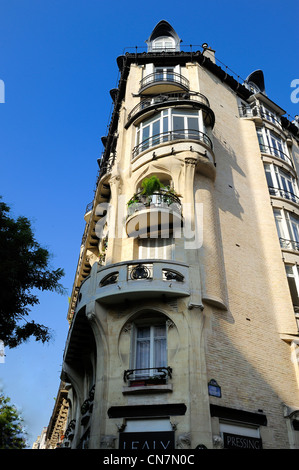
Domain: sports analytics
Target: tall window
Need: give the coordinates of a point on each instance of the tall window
(272, 143)
(149, 349)
(169, 124)
(281, 183)
(293, 279)
(287, 225)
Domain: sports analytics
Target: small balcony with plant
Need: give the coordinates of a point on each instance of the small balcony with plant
(154, 210)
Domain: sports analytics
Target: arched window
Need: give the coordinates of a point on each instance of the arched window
(163, 43)
(149, 346)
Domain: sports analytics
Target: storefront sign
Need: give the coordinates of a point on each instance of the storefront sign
(163, 440)
(234, 441)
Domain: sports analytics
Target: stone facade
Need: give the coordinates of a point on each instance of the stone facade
(183, 331)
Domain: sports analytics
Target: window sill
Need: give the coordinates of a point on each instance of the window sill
(148, 389)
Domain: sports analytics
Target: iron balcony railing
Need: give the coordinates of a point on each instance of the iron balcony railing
(165, 77)
(167, 99)
(149, 374)
(159, 199)
(284, 194)
(183, 134)
(256, 111)
(274, 151)
(289, 244)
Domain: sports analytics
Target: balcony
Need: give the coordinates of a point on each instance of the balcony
(151, 104)
(149, 380)
(163, 82)
(282, 193)
(172, 136)
(275, 152)
(256, 112)
(292, 245)
(135, 280)
(158, 214)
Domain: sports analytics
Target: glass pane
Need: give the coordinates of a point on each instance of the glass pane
(193, 127)
(156, 132)
(178, 127)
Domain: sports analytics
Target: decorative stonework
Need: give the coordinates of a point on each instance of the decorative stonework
(184, 441)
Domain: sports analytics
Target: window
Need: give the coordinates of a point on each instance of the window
(293, 280)
(272, 143)
(164, 74)
(270, 115)
(163, 43)
(167, 125)
(149, 348)
(156, 248)
(281, 183)
(287, 225)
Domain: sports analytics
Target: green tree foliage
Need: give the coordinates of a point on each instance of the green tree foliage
(12, 435)
(24, 267)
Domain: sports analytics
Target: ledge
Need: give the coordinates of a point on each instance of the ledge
(148, 389)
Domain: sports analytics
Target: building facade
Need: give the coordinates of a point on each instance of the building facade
(184, 311)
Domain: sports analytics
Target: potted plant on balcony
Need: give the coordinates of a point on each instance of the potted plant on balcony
(150, 186)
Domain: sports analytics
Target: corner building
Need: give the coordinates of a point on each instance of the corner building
(183, 316)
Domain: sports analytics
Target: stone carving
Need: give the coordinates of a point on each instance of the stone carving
(108, 442)
(217, 442)
(184, 441)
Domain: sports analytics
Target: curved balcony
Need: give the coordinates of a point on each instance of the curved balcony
(282, 193)
(257, 112)
(163, 82)
(275, 152)
(292, 245)
(135, 280)
(156, 215)
(151, 104)
(172, 136)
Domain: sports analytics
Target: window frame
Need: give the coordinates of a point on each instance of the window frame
(166, 119)
(283, 182)
(152, 363)
(271, 140)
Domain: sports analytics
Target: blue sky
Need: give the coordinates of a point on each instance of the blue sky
(58, 64)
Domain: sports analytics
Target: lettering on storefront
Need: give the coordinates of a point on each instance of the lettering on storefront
(163, 440)
(234, 441)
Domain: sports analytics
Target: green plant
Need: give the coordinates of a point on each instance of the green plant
(151, 185)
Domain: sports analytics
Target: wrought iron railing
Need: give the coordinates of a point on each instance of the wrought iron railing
(276, 153)
(289, 244)
(180, 134)
(256, 111)
(149, 374)
(167, 99)
(283, 193)
(164, 76)
(159, 199)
